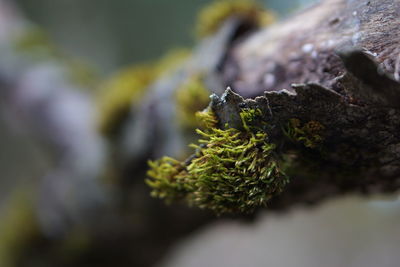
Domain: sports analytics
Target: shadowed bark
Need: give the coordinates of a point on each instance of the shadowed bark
(339, 63)
(336, 63)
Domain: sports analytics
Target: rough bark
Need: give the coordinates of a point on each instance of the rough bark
(304, 48)
(344, 58)
(339, 63)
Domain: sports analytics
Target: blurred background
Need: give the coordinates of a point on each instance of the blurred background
(111, 34)
(61, 201)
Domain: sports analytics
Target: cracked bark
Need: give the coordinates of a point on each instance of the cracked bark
(339, 62)
(342, 57)
(336, 63)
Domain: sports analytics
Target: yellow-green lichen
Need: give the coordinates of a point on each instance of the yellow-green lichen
(128, 86)
(212, 16)
(232, 171)
(309, 134)
(191, 97)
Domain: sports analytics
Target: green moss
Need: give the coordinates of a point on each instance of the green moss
(212, 16)
(206, 119)
(309, 134)
(119, 92)
(37, 45)
(168, 179)
(18, 227)
(191, 97)
(232, 171)
(127, 88)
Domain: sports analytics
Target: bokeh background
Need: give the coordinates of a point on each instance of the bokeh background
(108, 36)
(111, 34)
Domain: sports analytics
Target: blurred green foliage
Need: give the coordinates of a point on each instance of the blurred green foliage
(111, 34)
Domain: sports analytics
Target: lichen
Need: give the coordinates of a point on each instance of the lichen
(309, 134)
(212, 16)
(232, 170)
(127, 88)
(191, 97)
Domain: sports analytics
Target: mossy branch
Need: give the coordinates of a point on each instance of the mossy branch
(232, 171)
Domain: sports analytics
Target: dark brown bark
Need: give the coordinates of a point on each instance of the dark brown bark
(344, 57)
(304, 48)
(339, 62)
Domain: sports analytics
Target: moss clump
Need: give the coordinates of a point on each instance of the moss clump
(232, 171)
(309, 134)
(168, 179)
(212, 16)
(191, 97)
(128, 86)
(206, 119)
